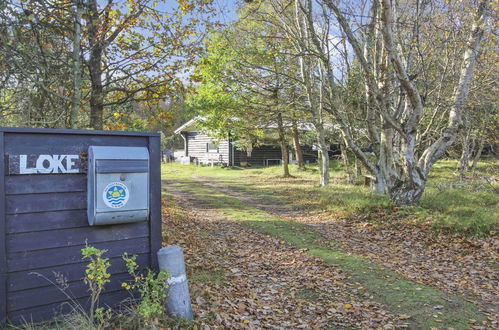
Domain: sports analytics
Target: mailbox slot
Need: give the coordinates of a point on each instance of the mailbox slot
(118, 185)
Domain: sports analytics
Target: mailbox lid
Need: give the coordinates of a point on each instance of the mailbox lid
(121, 165)
(124, 153)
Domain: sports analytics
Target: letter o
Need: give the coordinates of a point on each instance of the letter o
(40, 164)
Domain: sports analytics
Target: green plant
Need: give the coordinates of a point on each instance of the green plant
(152, 288)
(96, 277)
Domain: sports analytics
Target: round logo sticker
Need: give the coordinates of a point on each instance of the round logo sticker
(115, 195)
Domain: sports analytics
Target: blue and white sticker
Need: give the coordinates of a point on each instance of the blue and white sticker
(115, 195)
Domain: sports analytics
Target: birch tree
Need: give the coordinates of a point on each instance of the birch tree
(288, 18)
(388, 62)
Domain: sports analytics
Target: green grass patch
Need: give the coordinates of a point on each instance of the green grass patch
(401, 297)
(449, 204)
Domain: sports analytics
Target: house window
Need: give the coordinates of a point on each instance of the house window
(210, 147)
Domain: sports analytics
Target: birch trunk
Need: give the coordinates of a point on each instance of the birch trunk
(297, 147)
(358, 168)
(477, 155)
(406, 178)
(347, 164)
(470, 56)
(284, 146)
(464, 161)
(323, 155)
(314, 105)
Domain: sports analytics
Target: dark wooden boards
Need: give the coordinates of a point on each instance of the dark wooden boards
(20, 300)
(21, 223)
(31, 203)
(44, 225)
(70, 273)
(72, 255)
(155, 199)
(3, 250)
(65, 145)
(258, 155)
(40, 240)
(49, 311)
(26, 184)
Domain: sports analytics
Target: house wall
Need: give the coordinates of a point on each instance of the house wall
(309, 155)
(196, 146)
(258, 155)
(44, 225)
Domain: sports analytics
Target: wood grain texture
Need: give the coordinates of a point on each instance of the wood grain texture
(30, 298)
(72, 255)
(27, 222)
(41, 240)
(65, 145)
(18, 204)
(197, 147)
(70, 273)
(49, 311)
(28, 184)
(155, 200)
(76, 165)
(3, 250)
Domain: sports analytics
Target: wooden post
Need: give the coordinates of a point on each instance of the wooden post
(3, 252)
(154, 199)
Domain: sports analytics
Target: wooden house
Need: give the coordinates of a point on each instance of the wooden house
(201, 148)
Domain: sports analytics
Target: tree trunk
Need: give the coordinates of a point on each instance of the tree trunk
(315, 106)
(95, 68)
(323, 155)
(347, 164)
(358, 168)
(466, 153)
(297, 147)
(477, 155)
(405, 193)
(434, 152)
(77, 79)
(284, 146)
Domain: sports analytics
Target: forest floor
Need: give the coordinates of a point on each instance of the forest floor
(257, 259)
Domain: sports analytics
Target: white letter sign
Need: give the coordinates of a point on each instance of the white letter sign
(44, 164)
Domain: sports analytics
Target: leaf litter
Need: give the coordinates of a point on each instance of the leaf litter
(453, 263)
(240, 278)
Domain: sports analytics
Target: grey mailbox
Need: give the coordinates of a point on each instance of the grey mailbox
(118, 185)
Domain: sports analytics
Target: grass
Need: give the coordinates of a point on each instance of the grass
(402, 297)
(449, 204)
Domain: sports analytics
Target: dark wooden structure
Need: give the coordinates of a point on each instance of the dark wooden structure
(44, 226)
(201, 148)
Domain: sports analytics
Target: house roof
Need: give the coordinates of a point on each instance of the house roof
(306, 126)
(188, 124)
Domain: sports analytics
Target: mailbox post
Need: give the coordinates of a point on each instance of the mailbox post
(62, 189)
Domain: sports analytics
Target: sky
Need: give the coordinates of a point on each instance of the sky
(227, 10)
